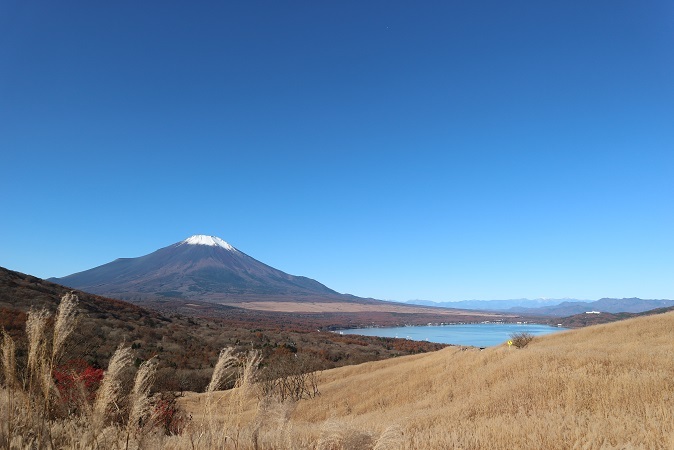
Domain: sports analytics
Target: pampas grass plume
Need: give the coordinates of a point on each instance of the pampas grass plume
(35, 328)
(140, 395)
(65, 322)
(111, 386)
(8, 360)
(391, 437)
(225, 360)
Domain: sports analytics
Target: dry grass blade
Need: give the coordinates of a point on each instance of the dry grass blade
(111, 386)
(140, 398)
(8, 360)
(247, 377)
(47, 384)
(245, 386)
(140, 395)
(35, 329)
(225, 360)
(9, 370)
(391, 437)
(65, 322)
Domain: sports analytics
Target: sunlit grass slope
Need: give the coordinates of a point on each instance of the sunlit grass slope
(607, 386)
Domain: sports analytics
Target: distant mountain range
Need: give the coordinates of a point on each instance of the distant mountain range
(496, 305)
(208, 269)
(555, 307)
(204, 268)
(608, 305)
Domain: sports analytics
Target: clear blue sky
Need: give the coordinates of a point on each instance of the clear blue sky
(443, 150)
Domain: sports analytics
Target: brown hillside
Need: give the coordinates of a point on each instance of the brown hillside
(187, 347)
(606, 386)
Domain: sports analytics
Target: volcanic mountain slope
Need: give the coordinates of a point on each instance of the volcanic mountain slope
(207, 270)
(204, 268)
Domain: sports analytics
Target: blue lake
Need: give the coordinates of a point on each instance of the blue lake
(478, 335)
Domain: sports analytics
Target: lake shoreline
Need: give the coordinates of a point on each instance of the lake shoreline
(480, 334)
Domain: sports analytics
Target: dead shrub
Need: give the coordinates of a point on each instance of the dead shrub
(521, 340)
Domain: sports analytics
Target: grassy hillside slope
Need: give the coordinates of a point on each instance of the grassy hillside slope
(607, 386)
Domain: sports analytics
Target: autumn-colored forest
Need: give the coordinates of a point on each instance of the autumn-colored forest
(187, 347)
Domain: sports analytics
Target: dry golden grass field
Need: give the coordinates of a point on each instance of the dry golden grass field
(603, 387)
(608, 386)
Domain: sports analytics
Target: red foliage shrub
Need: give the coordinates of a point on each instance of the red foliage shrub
(74, 380)
(168, 415)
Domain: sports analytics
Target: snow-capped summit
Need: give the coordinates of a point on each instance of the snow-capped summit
(211, 241)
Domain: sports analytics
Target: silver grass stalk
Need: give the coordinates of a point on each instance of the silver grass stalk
(47, 384)
(225, 360)
(9, 360)
(246, 379)
(35, 327)
(250, 364)
(244, 387)
(140, 395)
(65, 322)
(111, 386)
(391, 437)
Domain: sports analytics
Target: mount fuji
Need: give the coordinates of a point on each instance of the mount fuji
(200, 268)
